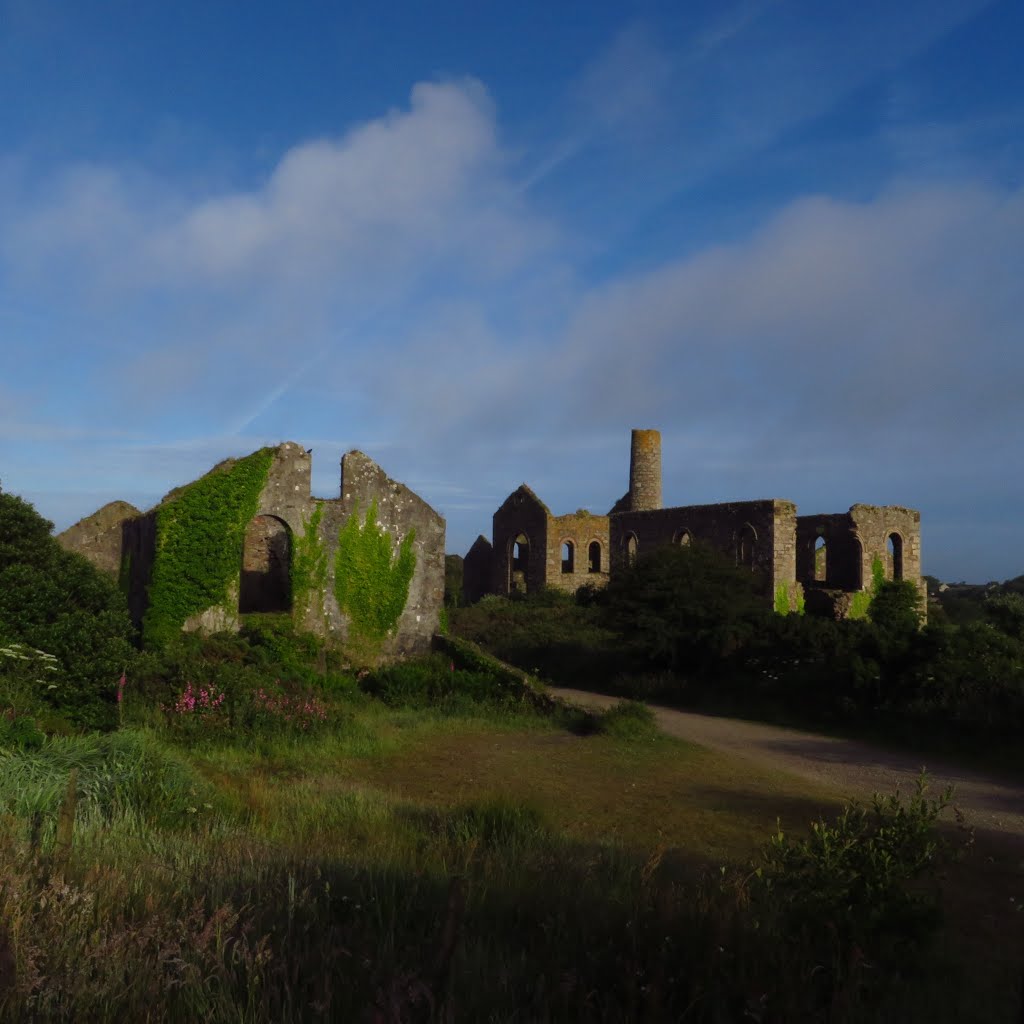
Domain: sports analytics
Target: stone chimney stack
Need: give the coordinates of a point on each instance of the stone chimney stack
(645, 470)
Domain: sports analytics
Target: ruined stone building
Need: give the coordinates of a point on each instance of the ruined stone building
(824, 560)
(365, 570)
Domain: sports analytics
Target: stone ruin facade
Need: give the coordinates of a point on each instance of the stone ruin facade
(121, 541)
(821, 561)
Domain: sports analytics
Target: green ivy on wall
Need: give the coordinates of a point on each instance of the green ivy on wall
(782, 605)
(200, 534)
(863, 598)
(309, 564)
(371, 583)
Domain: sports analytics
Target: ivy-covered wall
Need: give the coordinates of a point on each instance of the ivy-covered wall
(386, 551)
(197, 555)
(371, 579)
(309, 567)
(365, 569)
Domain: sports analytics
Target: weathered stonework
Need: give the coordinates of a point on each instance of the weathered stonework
(765, 536)
(122, 541)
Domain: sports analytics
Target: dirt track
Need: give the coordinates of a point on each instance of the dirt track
(849, 767)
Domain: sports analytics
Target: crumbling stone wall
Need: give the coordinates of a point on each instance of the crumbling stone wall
(286, 510)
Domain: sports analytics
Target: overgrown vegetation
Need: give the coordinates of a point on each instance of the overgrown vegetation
(200, 533)
(308, 573)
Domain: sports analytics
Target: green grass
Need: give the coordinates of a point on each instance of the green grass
(325, 875)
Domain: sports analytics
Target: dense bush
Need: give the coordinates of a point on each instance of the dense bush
(547, 634)
(859, 896)
(56, 602)
(438, 682)
(684, 608)
(686, 627)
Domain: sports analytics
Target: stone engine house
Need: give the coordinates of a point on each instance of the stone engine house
(122, 541)
(823, 560)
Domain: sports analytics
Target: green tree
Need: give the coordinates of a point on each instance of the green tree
(685, 608)
(896, 608)
(1006, 613)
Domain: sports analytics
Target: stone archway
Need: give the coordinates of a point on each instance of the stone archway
(265, 584)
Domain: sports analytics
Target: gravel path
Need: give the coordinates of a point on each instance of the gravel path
(851, 768)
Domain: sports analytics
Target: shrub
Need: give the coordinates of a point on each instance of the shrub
(19, 731)
(436, 681)
(896, 608)
(684, 608)
(862, 886)
(628, 720)
(55, 601)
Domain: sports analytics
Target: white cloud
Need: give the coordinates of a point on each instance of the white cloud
(425, 183)
(851, 308)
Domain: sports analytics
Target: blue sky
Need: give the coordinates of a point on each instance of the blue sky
(481, 241)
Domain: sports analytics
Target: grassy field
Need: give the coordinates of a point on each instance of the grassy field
(411, 865)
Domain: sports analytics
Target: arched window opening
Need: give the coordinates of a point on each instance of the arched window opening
(631, 548)
(265, 585)
(683, 538)
(894, 556)
(820, 560)
(594, 557)
(746, 546)
(518, 563)
(568, 556)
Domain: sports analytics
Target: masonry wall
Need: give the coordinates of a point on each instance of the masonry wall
(784, 575)
(723, 527)
(580, 529)
(875, 523)
(844, 556)
(522, 512)
(399, 511)
(853, 540)
(477, 570)
(99, 537)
